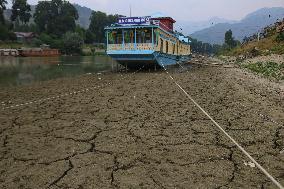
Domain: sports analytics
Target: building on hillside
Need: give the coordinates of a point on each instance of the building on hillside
(25, 36)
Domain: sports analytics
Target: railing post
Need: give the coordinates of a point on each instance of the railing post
(135, 42)
(153, 38)
(123, 47)
(107, 39)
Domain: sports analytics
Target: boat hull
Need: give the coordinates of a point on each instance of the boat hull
(153, 60)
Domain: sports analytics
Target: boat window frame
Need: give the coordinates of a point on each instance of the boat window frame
(167, 47)
(161, 45)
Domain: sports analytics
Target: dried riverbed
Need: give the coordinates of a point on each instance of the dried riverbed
(140, 131)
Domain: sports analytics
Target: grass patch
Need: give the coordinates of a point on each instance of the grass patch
(264, 47)
(13, 45)
(267, 69)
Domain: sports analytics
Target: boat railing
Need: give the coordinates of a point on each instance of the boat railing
(131, 46)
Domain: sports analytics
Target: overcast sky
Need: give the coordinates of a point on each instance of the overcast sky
(191, 10)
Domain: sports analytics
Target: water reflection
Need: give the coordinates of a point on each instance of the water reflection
(24, 70)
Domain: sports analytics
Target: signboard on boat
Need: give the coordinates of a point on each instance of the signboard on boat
(134, 20)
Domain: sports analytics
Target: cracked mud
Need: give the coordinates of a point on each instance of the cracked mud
(142, 132)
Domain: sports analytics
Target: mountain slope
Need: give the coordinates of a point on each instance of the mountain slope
(84, 15)
(191, 27)
(251, 24)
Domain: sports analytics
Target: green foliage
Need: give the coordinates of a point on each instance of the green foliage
(56, 17)
(90, 37)
(229, 39)
(21, 10)
(6, 34)
(72, 43)
(46, 39)
(280, 37)
(99, 20)
(268, 69)
(204, 48)
(25, 28)
(81, 31)
(2, 8)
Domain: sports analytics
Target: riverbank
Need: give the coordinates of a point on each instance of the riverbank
(137, 130)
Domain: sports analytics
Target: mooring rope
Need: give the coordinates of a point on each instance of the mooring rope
(256, 112)
(231, 138)
(85, 90)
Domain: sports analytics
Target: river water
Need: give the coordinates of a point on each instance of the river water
(25, 70)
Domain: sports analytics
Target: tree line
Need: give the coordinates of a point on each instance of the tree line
(54, 22)
(207, 48)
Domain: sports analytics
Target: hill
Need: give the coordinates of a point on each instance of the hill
(191, 27)
(249, 25)
(84, 15)
(270, 41)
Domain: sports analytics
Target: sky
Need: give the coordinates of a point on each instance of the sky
(184, 10)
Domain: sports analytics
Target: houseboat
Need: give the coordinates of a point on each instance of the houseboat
(150, 41)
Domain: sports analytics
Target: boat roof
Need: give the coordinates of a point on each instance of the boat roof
(116, 26)
(161, 16)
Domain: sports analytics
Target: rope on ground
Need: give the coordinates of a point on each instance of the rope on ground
(256, 112)
(4, 107)
(231, 138)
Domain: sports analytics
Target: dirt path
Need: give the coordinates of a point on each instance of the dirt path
(142, 132)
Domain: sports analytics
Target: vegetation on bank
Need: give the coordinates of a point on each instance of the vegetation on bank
(267, 69)
(54, 23)
(271, 45)
(206, 48)
(269, 41)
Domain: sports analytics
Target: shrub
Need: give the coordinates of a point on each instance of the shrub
(72, 43)
(280, 37)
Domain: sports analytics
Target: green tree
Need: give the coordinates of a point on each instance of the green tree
(21, 10)
(229, 40)
(42, 15)
(81, 31)
(90, 37)
(72, 43)
(99, 20)
(5, 34)
(56, 17)
(2, 8)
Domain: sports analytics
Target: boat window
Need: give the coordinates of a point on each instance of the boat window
(162, 46)
(174, 48)
(177, 49)
(144, 35)
(111, 37)
(148, 35)
(119, 38)
(167, 46)
(115, 37)
(129, 36)
(157, 36)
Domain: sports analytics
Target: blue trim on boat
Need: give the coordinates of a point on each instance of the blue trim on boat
(122, 52)
(165, 59)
